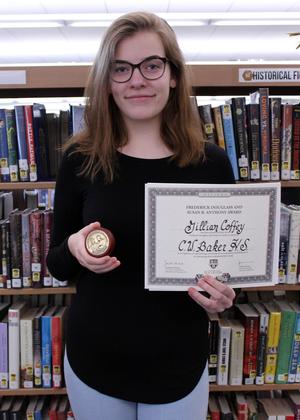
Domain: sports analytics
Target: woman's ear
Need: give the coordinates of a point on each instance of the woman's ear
(172, 83)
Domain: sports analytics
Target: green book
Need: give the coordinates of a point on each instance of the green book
(287, 326)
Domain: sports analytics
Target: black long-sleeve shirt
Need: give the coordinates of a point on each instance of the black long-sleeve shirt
(123, 340)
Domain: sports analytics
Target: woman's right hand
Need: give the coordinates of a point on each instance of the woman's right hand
(76, 244)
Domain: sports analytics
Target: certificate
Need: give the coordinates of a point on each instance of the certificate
(228, 231)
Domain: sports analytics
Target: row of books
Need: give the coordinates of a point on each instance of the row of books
(260, 134)
(24, 244)
(261, 345)
(289, 244)
(254, 406)
(31, 140)
(40, 407)
(31, 345)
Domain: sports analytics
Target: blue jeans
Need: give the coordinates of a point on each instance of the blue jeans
(89, 404)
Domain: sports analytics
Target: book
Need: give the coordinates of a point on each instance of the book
(223, 351)
(225, 410)
(4, 345)
(213, 407)
(241, 137)
(53, 408)
(26, 341)
(22, 144)
(294, 363)
(213, 331)
(26, 260)
(77, 118)
(57, 338)
(46, 346)
(31, 407)
(261, 97)
(41, 408)
(275, 132)
(18, 408)
(12, 145)
(293, 249)
(236, 352)
(63, 408)
(37, 347)
(206, 116)
(262, 342)
(30, 143)
(241, 405)
(252, 407)
(15, 313)
(47, 220)
(285, 216)
(5, 407)
(250, 320)
(272, 341)
(286, 141)
(4, 167)
(35, 220)
(253, 140)
(217, 115)
(293, 397)
(41, 141)
(15, 221)
(5, 278)
(229, 138)
(287, 327)
(295, 158)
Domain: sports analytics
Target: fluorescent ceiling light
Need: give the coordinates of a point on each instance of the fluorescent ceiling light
(44, 24)
(257, 22)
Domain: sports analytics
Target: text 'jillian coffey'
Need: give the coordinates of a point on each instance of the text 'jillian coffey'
(228, 226)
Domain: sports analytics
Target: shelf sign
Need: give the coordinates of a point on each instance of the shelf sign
(12, 77)
(265, 75)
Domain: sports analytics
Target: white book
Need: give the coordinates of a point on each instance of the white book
(26, 347)
(236, 352)
(223, 351)
(293, 249)
(14, 314)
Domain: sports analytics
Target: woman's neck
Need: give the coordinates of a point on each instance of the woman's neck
(145, 141)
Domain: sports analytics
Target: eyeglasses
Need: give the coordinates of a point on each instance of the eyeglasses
(151, 68)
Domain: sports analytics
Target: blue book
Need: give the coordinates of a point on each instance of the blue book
(22, 144)
(3, 149)
(12, 144)
(46, 339)
(229, 138)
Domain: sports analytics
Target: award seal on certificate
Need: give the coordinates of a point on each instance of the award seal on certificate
(228, 231)
(100, 242)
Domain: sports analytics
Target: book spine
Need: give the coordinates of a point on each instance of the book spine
(283, 244)
(294, 235)
(275, 122)
(4, 253)
(22, 146)
(250, 350)
(285, 345)
(272, 346)
(219, 127)
(295, 165)
(36, 248)
(37, 352)
(206, 117)
(47, 226)
(16, 248)
(41, 141)
(261, 350)
(4, 167)
(295, 352)
(26, 338)
(12, 145)
(286, 141)
(14, 348)
(223, 354)
(254, 140)
(3, 355)
(264, 133)
(213, 330)
(241, 137)
(26, 280)
(30, 143)
(236, 355)
(229, 138)
(46, 351)
(56, 351)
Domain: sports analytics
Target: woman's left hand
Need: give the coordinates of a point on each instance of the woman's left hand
(221, 296)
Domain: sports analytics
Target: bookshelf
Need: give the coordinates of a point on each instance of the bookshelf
(206, 79)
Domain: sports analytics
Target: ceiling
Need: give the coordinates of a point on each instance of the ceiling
(210, 42)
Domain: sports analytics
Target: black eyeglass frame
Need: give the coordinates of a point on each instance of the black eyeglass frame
(138, 66)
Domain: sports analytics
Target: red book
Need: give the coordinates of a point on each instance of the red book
(35, 219)
(52, 413)
(57, 332)
(30, 142)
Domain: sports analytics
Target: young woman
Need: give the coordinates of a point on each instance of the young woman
(131, 353)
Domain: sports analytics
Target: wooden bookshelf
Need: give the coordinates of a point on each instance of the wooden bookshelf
(27, 185)
(24, 291)
(250, 388)
(32, 391)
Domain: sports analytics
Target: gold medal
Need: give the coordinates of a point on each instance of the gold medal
(99, 242)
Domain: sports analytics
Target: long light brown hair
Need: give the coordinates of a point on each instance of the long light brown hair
(105, 130)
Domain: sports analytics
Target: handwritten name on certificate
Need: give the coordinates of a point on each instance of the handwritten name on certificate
(228, 231)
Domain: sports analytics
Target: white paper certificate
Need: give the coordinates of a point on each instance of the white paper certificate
(228, 231)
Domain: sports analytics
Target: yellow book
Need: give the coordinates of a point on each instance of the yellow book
(272, 341)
